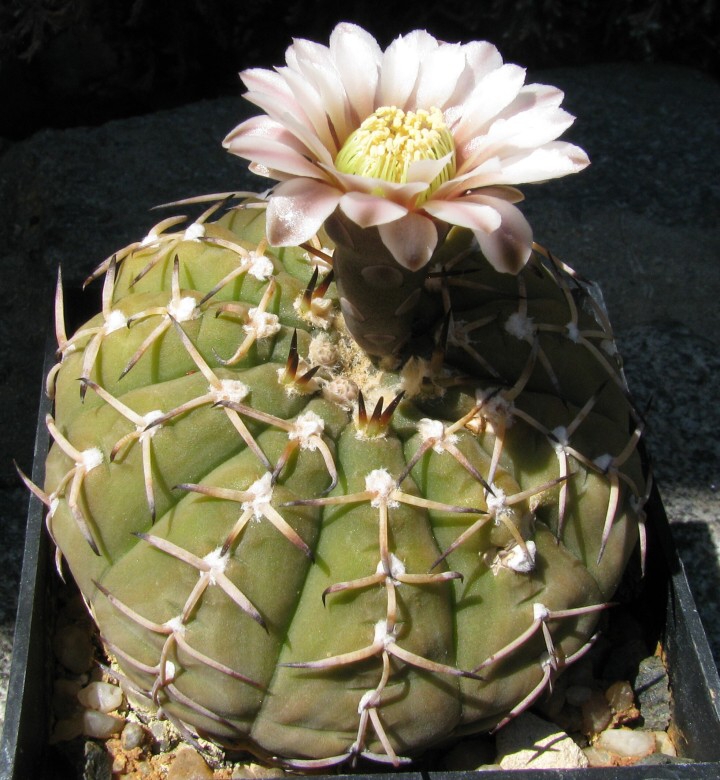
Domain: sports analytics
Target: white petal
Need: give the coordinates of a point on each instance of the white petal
(297, 209)
(275, 155)
(490, 96)
(264, 127)
(400, 68)
(550, 162)
(482, 57)
(530, 128)
(411, 240)
(296, 122)
(268, 82)
(313, 107)
(357, 57)
(404, 194)
(486, 173)
(439, 73)
(468, 212)
(427, 170)
(368, 210)
(315, 63)
(532, 95)
(508, 248)
(306, 136)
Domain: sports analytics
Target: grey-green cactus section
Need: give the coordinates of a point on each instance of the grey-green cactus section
(290, 549)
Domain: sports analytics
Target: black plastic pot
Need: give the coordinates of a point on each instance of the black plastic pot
(663, 603)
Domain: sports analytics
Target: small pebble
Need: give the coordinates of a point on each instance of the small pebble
(596, 713)
(100, 725)
(663, 744)
(73, 648)
(532, 743)
(133, 735)
(627, 743)
(101, 696)
(256, 772)
(188, 764)
(98, 764)
(620, 696)
(597, 757)
(163, 735)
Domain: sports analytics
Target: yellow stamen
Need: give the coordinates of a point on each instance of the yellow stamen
(390, 139)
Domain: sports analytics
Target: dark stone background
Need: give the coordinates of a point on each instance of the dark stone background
(71, 62)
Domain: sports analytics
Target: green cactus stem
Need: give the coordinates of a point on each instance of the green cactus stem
(293, 548)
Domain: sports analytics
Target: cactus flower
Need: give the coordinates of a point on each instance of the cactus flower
(409, 140)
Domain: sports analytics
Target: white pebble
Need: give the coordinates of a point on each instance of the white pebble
(529, 742)
(663, 744)
(100, 696)
(627, 742)
(133, 735)
(100, 725)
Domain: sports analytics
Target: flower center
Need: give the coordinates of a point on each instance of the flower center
(390, 139)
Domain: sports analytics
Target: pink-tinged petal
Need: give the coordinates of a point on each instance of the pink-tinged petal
(534, 95)
(369, 210)
(550, 162)
(315, 63)
(270, 91)
(297, 209)
(439, 73)
(268, 173)
(307, 137)
(508, 248)
(506, 139)
(401, 66)
(263, 127)
(269, 83)
(469, 212)
(529, 129)
(411, 240)
(404, 194)
(313, 107)
(357, 57)
(482, 57)
(296, 122)
(275, 155)
(486, 173)
(427, 170)
(498, 89)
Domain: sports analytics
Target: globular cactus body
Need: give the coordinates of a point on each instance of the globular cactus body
(290, 548)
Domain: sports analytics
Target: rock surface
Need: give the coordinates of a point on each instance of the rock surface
(530, 742)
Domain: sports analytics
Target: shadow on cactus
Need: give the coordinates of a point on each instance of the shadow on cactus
(350, 469)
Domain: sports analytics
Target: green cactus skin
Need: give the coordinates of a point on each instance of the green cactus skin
(291, 550)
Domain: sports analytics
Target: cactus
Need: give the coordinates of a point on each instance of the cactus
(303, 539)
